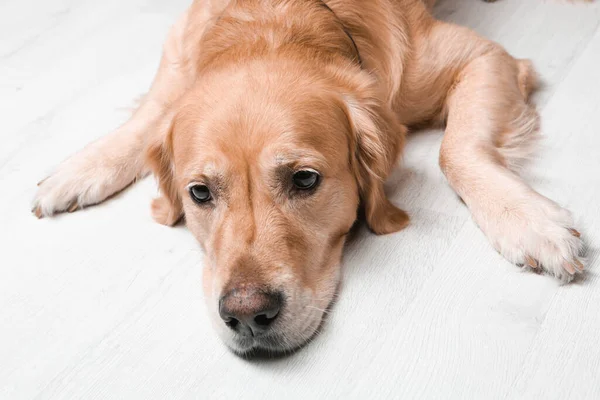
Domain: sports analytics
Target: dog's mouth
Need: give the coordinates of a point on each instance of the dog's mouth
(273, 344)
(268, 347)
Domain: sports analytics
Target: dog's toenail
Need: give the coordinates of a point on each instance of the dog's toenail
(531, 262)
(569, 267)
(574, 232)
(38, 212)
(73, 207)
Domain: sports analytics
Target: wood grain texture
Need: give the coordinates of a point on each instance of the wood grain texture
(104, 303)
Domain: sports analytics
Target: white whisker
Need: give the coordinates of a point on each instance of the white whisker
(319, 309)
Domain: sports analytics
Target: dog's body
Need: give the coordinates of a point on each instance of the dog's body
(269, 123)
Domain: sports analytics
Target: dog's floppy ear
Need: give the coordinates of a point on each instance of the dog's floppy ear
(166, 209)
(377, 139)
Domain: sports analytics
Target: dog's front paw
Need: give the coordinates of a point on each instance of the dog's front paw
(87, 178)
(535, 232)
(73, 185)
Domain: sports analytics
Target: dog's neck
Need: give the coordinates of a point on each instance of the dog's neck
(253, 29)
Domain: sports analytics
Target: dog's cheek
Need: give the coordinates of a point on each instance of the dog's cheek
(201, 222)
(208, 285)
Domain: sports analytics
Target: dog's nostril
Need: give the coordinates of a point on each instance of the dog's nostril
(232, 323)
(264, 320)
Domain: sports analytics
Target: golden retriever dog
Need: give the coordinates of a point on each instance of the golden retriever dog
(271, 123)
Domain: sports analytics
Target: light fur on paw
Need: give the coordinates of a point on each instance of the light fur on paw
(87, 178)
(535, 232)
(71, 187)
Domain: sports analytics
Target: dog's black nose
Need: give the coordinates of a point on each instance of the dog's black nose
(250, 311)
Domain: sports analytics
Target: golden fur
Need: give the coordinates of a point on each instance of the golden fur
(250, 91)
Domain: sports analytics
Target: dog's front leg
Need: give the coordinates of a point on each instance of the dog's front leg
(489, 127)
(115, 161)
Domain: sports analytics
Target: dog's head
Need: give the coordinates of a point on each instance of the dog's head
(268, 166)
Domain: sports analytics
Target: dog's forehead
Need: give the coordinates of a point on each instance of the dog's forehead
(250, 128)
(235, 154)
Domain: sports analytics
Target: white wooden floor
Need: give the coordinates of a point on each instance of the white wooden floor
(105, 303)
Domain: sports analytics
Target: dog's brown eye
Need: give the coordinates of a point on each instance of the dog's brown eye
(200, 193)
(306, 179)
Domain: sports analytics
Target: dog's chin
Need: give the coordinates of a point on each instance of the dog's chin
(263, 347)
(271, 346)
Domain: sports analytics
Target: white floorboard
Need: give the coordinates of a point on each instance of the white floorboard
(104, 303)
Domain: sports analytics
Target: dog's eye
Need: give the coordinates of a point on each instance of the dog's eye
(306, 179)
(200, 193)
